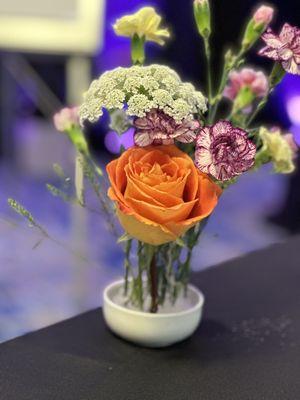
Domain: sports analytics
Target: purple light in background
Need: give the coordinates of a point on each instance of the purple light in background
(113, 141)
(295, 130)
(286, 96)
(293, 109)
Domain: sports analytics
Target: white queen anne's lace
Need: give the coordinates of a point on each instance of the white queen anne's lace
(138, 89)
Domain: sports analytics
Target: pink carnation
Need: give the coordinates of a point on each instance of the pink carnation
(224, 151)
(255, 80)
(158, 128)
(284, 48)
(66, 118)
(263, 15)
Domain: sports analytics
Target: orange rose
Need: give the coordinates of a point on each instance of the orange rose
(159, 192)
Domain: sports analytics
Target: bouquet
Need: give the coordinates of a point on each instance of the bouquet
(186, 153)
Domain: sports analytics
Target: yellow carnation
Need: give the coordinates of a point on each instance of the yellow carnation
(144, 23)
(278, 149)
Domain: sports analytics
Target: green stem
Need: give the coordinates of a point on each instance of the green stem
(275, 78)
(208, 63)
(164, 259)
(259, 107)
(127, 265)
(215, 102)
(187, 270)
(226, 69)
(139, 279)
(154, 284)
(137, 49)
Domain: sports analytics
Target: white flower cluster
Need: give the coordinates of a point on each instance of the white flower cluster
(138, 89)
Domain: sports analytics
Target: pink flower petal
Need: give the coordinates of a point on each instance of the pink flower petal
(204, 138)
(284, 48)
(143, 139)
(203, 159)
(287, 33)
(167, 141)
(221, 127)
(158, 128)
(224, 151)
(256, 81)
(271, 39)
(291, 66)
(263, 15)
(269, 52)
(187, 137)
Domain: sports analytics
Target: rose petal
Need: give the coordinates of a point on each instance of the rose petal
(161, 215)
(144, 230)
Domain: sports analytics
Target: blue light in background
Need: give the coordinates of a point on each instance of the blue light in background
(287, 97)
(113, 141)
(293, 109)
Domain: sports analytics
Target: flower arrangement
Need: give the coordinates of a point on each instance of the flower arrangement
(186, 153)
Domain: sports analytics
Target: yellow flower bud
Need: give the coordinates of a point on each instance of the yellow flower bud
(145, 24)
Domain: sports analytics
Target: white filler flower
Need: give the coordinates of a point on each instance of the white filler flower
(139, 89)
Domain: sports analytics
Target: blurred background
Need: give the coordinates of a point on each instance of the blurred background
(50, 51)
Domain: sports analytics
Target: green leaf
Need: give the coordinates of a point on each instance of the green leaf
(180, 242)
(276, 75)
(124, 238)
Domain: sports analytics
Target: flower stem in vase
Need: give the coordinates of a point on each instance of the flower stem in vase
(154, 284)
(127, 265)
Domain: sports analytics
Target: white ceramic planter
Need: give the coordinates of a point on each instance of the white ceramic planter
(152, 330)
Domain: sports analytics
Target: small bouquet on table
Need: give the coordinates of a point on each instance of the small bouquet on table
(164, 188)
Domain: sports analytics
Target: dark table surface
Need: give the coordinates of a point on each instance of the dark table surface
(246, 348)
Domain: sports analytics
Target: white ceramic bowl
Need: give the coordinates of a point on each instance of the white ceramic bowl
(152, 330)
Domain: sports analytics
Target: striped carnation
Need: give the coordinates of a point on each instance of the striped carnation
(159, 128)
(224, 151)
